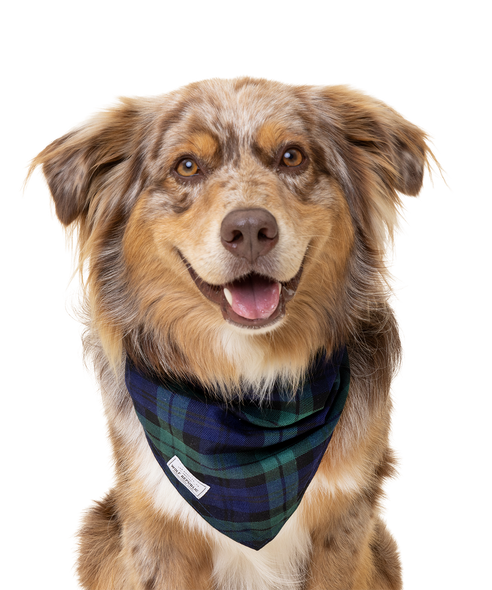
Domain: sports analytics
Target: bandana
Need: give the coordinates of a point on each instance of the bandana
(244, 468)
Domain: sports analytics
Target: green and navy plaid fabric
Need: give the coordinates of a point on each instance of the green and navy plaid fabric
(242, 467)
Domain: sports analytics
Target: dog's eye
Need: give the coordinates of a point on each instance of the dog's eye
(292, 157)
(187, 167)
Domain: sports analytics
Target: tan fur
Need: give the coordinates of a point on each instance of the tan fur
(114, 180)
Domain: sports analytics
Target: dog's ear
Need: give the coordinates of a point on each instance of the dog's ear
(365, 128)
(77, 164)
(373, 151)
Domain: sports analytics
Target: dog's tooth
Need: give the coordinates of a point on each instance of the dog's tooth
(228, 295)
(279, 288)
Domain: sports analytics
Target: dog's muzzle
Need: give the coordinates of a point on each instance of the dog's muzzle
(252, 300)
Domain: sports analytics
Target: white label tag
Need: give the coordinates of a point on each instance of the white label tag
(196, 487)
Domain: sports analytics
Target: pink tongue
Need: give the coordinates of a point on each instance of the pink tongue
(254, 297)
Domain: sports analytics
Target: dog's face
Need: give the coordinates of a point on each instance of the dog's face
(238, 196)
(243, 221)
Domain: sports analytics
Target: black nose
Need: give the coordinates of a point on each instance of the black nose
(249, 233)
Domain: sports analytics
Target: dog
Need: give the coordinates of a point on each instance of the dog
(232, 239)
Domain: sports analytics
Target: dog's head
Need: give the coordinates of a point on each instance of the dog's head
(234, 227)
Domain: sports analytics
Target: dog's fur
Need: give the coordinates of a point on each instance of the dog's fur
(115, 181)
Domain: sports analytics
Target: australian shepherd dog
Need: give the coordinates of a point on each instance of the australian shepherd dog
(229, 233)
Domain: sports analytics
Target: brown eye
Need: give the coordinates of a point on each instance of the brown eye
(187, 167)
(292, 157)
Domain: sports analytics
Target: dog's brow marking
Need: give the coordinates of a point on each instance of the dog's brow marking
(204, 145)
(269, 136)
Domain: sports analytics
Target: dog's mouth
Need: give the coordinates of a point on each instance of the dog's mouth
(251, 301)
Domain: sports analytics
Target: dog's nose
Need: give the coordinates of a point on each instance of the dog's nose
(249, 233)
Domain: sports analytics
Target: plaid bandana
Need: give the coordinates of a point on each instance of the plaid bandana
(242, 467)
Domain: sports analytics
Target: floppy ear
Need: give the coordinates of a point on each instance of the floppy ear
(76, 165)
(378, 152)
(369, 124)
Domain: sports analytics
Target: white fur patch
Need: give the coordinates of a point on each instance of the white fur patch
(257, 373)
(280, 565)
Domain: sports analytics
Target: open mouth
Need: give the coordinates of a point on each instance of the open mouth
(253, 300)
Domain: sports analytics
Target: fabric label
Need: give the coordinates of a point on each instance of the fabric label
(196, 487)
